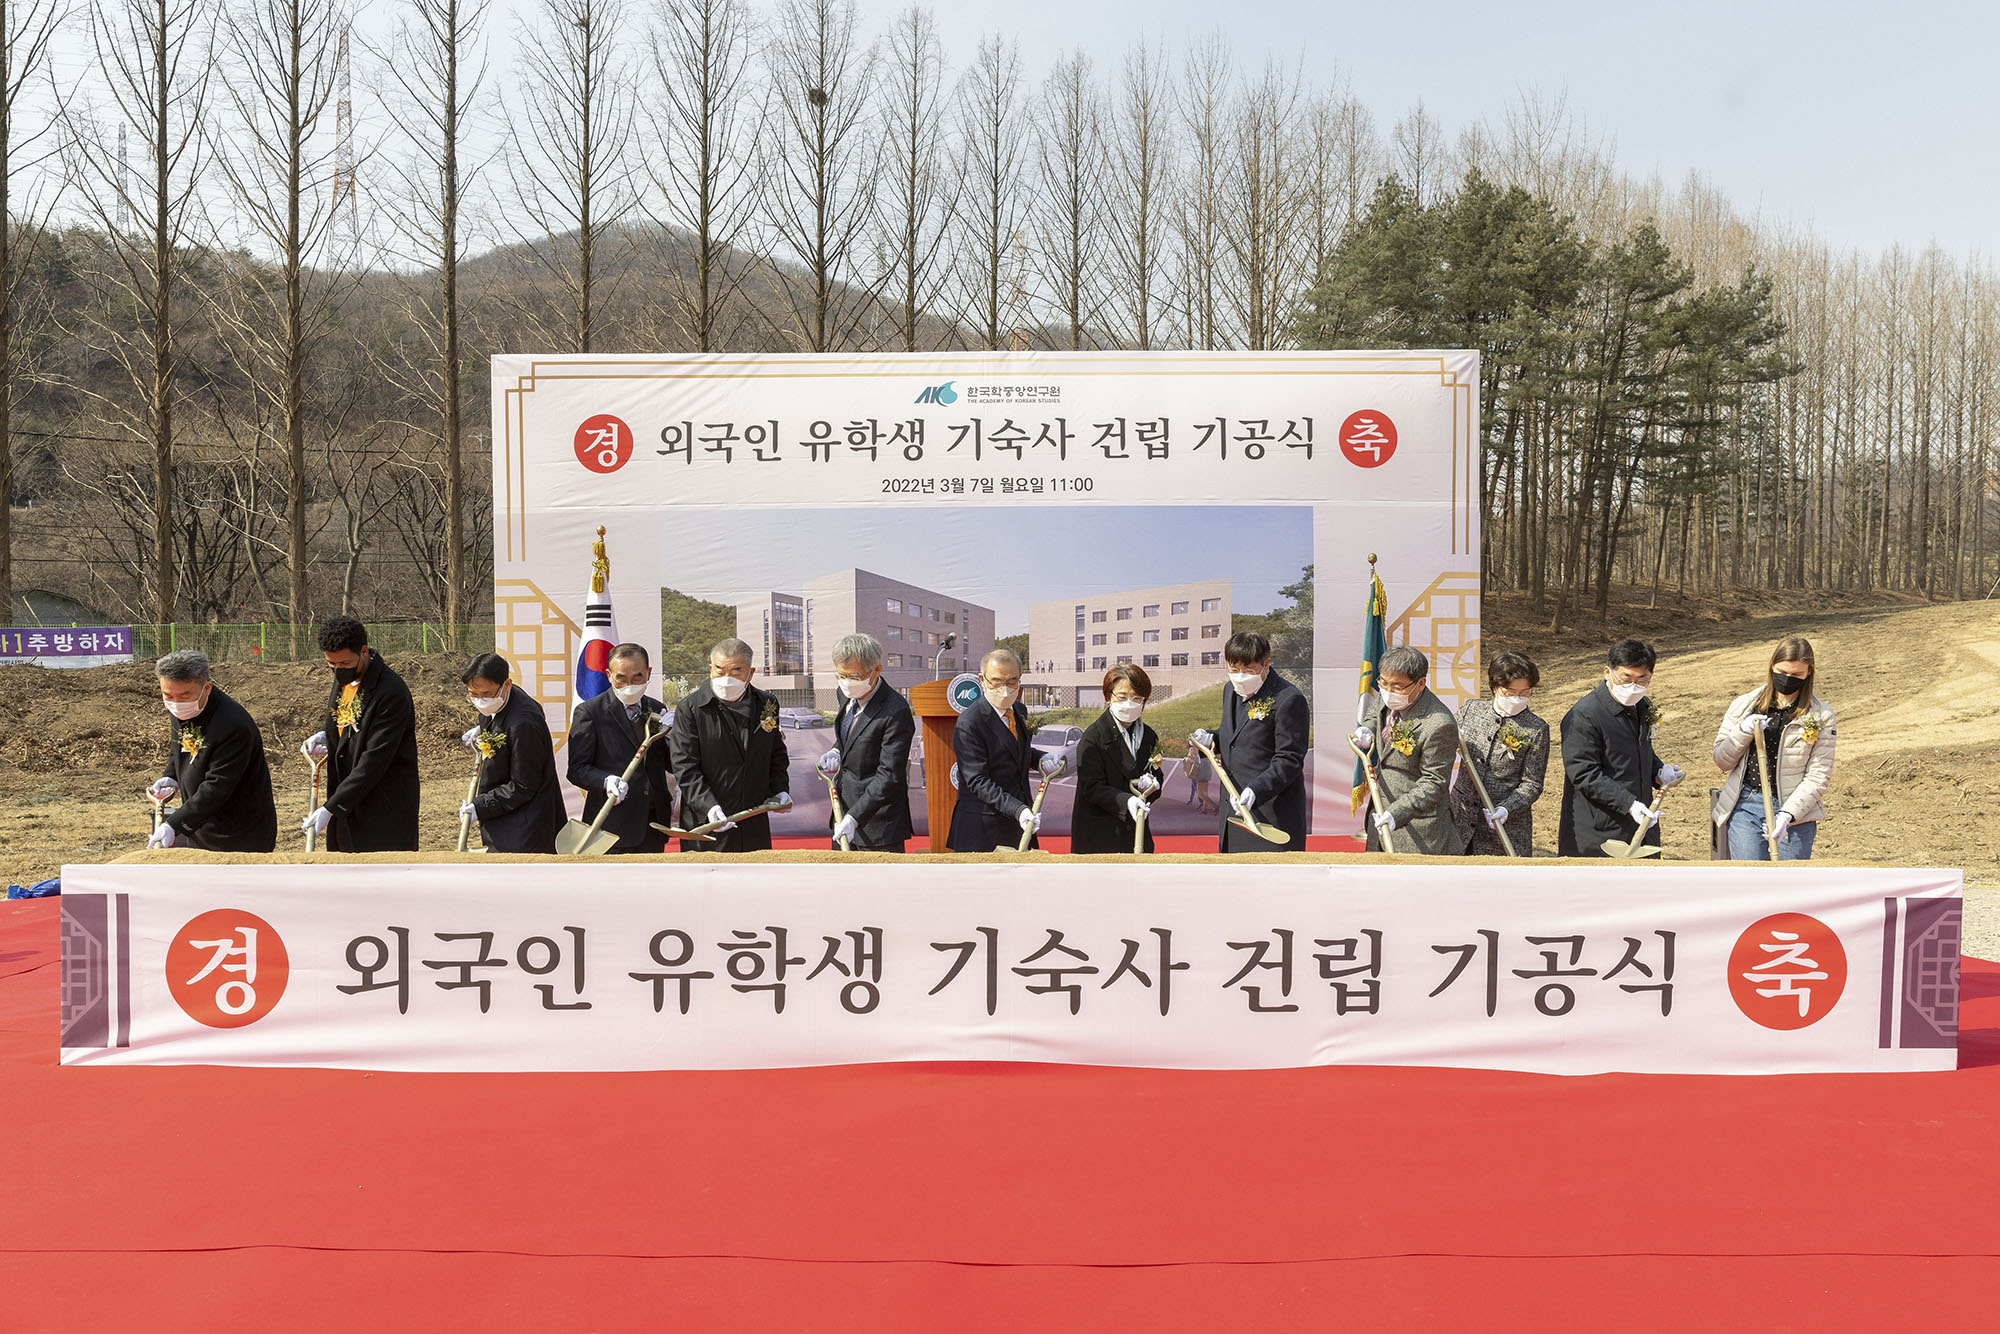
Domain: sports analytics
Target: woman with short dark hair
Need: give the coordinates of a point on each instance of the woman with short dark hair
(1507, 743)
(1117, 767)
(1798, 728)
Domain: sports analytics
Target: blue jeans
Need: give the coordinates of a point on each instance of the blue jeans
(1747, 845)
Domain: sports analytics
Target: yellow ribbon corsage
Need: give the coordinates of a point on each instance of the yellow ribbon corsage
(769, 722)
(1403, 739)
(1514, 739)
(1809, 730)
(490, 743)
(1259, 710)
(347, 713)
(192, 741)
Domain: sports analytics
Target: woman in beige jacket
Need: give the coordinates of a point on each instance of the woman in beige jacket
(1798, 728)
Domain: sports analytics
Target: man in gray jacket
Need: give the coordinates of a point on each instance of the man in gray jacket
(1411, 738)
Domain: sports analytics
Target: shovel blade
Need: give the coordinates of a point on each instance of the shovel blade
(1269, 833)
(577, 840)
(1619, 848)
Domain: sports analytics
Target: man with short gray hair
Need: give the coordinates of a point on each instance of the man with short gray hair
(215, 763)
(1412, 740)
(996, 759)
(729, 754)
(872, 732)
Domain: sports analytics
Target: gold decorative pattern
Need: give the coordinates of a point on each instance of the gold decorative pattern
(540, 644)
(1442, 623)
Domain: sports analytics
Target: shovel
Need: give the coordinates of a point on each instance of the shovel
(1485, 802)
(704, 833)
(829, 769)
(578, 839)
(1374, 791)
(471, 791)
(1638, 847)
(312, 837)
(1028, 834)
(1764, 778)
(1147, 795)
(1270, 833)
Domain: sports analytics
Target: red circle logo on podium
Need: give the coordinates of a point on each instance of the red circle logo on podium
(1368, 438)
(603, 443)
(227, 968)
(1787, 971)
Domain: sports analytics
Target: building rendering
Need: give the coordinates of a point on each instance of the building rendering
(792, 633)
(1176, 632)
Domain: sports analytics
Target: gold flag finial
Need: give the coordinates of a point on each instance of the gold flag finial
(600, 564)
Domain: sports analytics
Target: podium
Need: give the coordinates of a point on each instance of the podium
(931, 702)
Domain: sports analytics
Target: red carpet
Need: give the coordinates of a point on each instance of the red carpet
(986, 1196)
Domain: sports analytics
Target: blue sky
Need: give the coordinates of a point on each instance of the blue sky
(1004, 557)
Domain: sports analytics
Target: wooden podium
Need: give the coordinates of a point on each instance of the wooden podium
(931, 702)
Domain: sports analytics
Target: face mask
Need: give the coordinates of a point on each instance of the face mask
(1400, 702)
(1627, 695)
(1787, 685)
(858, 689)
(187, 709)
(490, 704)
(1127, 711)
(1002, 698)
(630, 695)
(1247, 683)
(727, 688)
(1509, 705)
(346, 676)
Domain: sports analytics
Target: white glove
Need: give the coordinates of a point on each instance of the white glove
(315, 746)
(1495, 817)
(1671, 774)
(1202, 738)
(317, 821)
(466, 812)
(847, 828)
(1752, 724)
(1030, 819)
(829, 763)
(781, 803)
(720, 819)
(1773, 834)
(1362, 737)
(162, 788)
(616, 788)
(1146, 783)
(1243, 801)
(1640, 811)
(1050, 765)
(471, 737)
(1386, 823)
(1137, 806)
(163, 837)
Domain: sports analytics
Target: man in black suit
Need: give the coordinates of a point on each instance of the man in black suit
(994, 761)
(1609, 768)
(372, 787)
(217, 765)
(518, 804)
(729, 754)
(1263, 739)
(604, 734)
(872, 733)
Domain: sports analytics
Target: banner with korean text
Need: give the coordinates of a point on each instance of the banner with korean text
(1088, 509)
(1558, 969)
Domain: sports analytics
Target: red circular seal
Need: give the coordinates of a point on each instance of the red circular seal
(227, 968)
(603, 443)
(1787, 971)
(1368, 438)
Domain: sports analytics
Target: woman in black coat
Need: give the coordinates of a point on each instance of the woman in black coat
(1116, 749)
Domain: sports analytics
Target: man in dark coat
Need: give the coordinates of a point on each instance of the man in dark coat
(518, 804)
(872, 733)
(729, 754)
(369, 742)
(217, 765)
(995, 759)
(604, 734)
(1609, 768)
(1262, 743)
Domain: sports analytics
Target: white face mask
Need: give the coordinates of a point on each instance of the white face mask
(1002, 699)
(1628, 695)
(186, 709)
(727, 688)
(1247, 683)
(859, 689)
(1397, 702)
(1509, 705)
(1127, 711)
(630, 695)
(490, 704)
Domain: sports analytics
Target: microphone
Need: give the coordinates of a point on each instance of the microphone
(949, 640)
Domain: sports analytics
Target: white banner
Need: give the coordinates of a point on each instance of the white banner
(1557, 969)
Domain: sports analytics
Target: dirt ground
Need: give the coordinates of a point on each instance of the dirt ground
(1916, 688)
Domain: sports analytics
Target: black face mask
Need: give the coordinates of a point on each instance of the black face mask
(1788, 685)
(349, 675)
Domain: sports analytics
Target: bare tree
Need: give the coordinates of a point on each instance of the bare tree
(570, 130)
(989, 119)
(1262, 230)
(436, 66)
(1204, 97)
(820, 170)
(921, 192)
(1140, 184)
(701, 123)
(1069, 140)
(25, 35)
(1417, 152)
(155, 60)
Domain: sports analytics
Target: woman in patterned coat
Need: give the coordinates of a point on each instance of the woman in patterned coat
(1510, 744)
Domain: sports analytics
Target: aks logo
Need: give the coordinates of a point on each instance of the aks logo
(938, 393)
